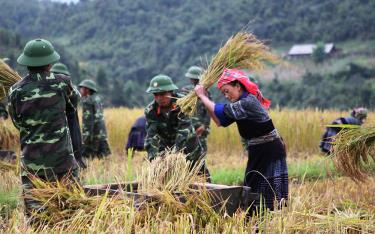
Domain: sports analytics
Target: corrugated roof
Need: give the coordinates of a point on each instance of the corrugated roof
(307, 49)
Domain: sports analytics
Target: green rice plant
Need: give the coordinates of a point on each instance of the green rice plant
(241, 51)
(352, 149)
(228, 176)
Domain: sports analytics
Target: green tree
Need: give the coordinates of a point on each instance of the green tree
(319, 54)
(117, 96)
(102, 80)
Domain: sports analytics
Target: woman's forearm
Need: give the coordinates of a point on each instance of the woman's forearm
(210, 105)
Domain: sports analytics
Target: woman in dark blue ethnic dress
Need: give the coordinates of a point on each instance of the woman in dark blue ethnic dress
(266, 171)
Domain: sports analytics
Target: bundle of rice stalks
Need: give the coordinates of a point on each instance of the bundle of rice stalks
(169, 179)
(9, 137)
(352, 149)
(172, 173)
(8, 77)
(241, 51)
(9, 140)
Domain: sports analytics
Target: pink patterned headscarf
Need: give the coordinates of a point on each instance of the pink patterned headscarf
(230, 75)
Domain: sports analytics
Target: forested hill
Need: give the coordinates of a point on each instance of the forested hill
(136, 39)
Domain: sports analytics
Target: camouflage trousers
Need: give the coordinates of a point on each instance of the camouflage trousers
(33, 206)
(97, 149)
(203, 143)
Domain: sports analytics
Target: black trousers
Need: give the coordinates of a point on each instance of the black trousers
(267, 172)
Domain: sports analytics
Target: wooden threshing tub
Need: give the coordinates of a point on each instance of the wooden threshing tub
(234, 197)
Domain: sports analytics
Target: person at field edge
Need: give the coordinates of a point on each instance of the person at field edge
(201, 119)
(94, 132)
(266, 171)
(167, 127)
(39, 105)
(356, 119)
(137, 135)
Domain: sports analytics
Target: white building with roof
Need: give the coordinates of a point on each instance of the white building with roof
(307, 49)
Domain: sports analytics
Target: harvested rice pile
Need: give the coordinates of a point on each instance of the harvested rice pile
(67, 202)
(9, 137)
(353, 149)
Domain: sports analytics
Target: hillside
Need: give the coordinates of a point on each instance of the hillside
(134, 40)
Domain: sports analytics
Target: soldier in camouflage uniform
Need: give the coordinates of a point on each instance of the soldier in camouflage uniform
(60, 68)
(168, 128)
(95, 143)
(73, 120)
(201, 120)
(39, 105)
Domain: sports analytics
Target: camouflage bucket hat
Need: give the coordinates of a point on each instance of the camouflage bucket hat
(194, 72)
(37, 53)
(161, 83)
(60, 68)
(90, 84)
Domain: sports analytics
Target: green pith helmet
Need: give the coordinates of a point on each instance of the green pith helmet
(161, 83)
(90, 84)
(37, 53)
(194, 72)
(60, 68)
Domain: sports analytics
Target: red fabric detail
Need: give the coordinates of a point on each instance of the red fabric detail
(230, 75)
(158, 111)
(173, 107)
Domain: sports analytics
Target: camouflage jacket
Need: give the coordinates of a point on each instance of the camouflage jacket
(201, 117)
(38, 106)
(170, 130)
(93, 126)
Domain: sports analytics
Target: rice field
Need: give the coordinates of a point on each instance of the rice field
(321, 199)
(300, 129)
